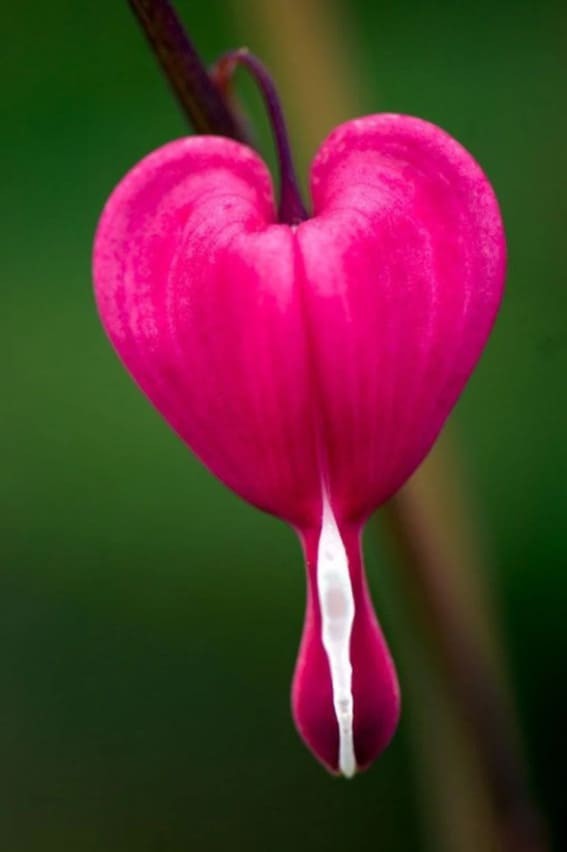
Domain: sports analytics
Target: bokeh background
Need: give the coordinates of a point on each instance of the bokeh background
(149, 620)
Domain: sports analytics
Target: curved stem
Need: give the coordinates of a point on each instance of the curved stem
(200, 100)
(291, 207)
(203, 96)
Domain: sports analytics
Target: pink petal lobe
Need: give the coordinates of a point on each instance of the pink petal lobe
(196, 287)
(404, 268)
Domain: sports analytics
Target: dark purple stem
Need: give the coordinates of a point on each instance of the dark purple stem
(198, 96)
(203, 99)
(291, 207)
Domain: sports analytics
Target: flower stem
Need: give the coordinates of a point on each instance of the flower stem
(203, 96)
(196, 93)
(291, 207)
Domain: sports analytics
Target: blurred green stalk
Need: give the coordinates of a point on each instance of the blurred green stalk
(475, 749)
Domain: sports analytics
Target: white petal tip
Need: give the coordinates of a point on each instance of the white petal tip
(337, 616)
(348, 770)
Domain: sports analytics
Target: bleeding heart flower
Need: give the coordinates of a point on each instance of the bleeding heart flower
(310, 366)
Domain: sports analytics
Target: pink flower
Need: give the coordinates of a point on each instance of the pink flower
(310, 367)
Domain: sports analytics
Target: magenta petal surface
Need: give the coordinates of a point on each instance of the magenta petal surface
(197, 289)
(404, 265)
(310, 367)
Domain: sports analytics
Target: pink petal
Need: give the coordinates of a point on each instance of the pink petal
(404, 267)
(197, 290)
(310, 368)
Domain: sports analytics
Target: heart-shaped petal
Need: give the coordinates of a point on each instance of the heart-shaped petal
(310, 367)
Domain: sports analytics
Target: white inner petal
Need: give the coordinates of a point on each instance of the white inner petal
(337, 615)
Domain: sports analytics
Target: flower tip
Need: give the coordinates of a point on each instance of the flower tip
(348, 769)
(345, 693)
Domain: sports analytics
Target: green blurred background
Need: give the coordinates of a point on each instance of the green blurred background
(149, 620)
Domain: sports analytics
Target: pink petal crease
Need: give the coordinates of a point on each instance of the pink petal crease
(310, 367)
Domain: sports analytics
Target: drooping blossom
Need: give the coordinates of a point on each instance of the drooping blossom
(310, 367)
